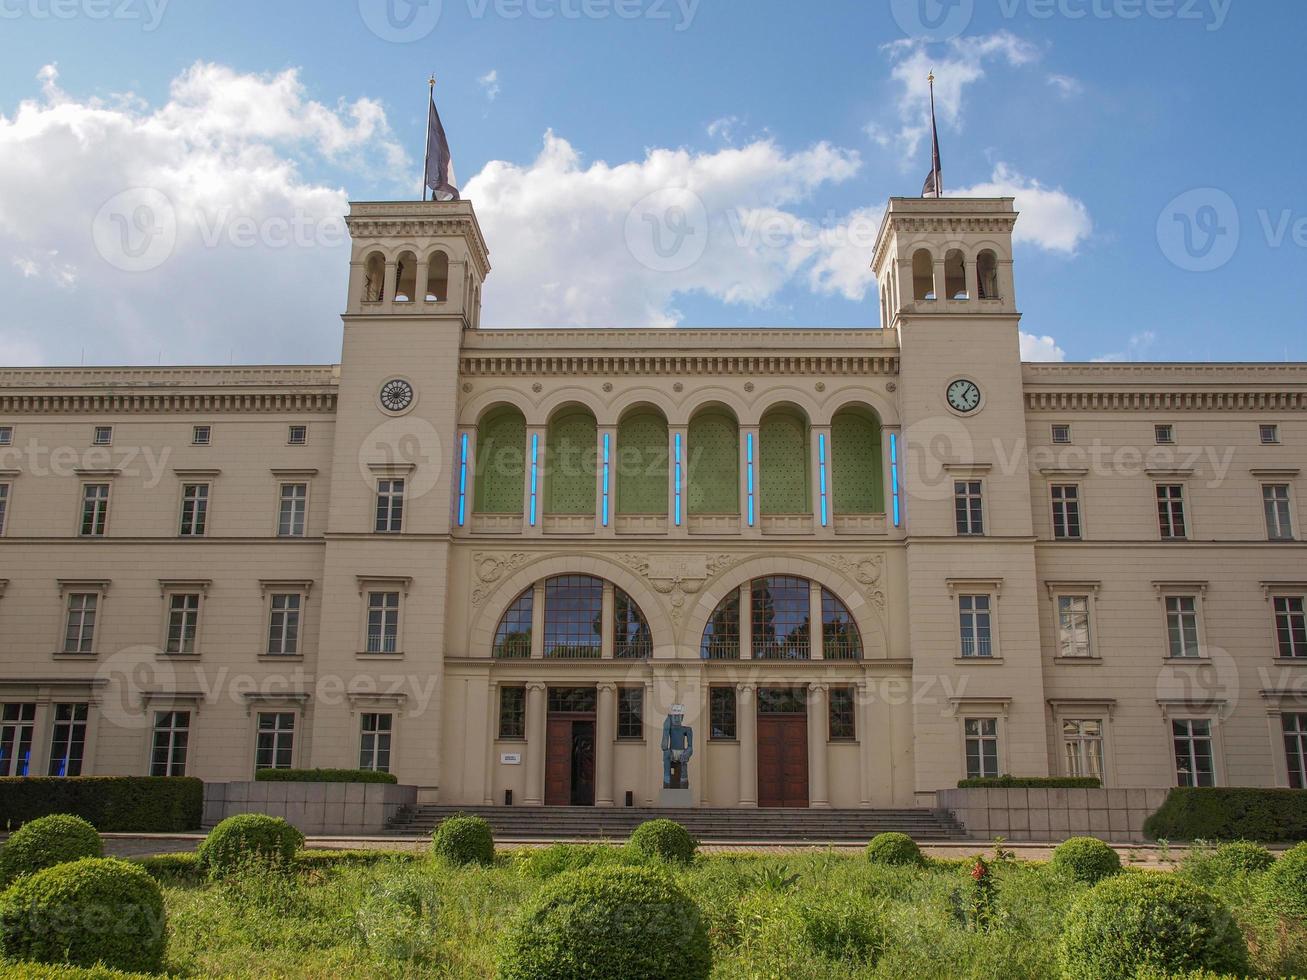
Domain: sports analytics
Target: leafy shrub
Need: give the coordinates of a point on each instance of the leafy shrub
(1129, 922)
(1284, 886)
(397, 921)
(1232, 860)
(42, 971)
(894, 848)
(1265, 815)
(248, 838)
(461, 839)
(45, 842)
(1031, 782)
(556, 859)
(111, 804)
(323, 776)
(95, 910)
(1086, 859)
(842, 929)
(665, 839)
(605, 923)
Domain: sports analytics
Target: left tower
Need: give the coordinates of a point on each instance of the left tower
(416, 272)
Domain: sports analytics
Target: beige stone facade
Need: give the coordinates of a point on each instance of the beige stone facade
(864, 564)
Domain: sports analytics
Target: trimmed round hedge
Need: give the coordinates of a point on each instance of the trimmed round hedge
(1131, 922)
(1240, 857)
(894, 848)
(664, 839)
(1284, 886)
(1086, 859)
(607, 924)
(461, 839)
(45, 842)
(248, 838)
(94, 910)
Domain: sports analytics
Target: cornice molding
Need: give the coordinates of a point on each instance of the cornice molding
(531, 364)
(1112, 398)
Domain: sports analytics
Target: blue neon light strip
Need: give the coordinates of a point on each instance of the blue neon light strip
(894, 477)
(535, 456)
(748, 467)
(462, 480)
(605, 484)
(677, 511)
(821, 469)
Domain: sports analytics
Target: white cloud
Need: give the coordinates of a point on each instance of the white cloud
(489, 83)
(1137, 348)
(1035, 348)
(724, 128)
(1065, 85)
(1050, 217)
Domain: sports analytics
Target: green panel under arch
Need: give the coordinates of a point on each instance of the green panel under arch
(570, 464)
(641, 464)
(783, 463)
(501, 451)
(713, 464)
(856, 463)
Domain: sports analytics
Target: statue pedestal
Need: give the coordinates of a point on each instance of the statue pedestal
(676, 798)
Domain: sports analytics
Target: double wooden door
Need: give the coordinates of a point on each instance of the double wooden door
(570, 760)
(783, 760)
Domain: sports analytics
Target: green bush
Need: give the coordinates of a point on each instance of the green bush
(665, 839)
(461, 839)
(111, 804)
(1227, 862)
(1284, 886)
(1130, 922)
(45, 842)
(1265, 815)
(248, 838)
(549, 862)
(1086, 859)
(41, 971)
(92, 911)
(323, 776)
(842, 929)
(1031, 782)
(605, 923)
(894, 848)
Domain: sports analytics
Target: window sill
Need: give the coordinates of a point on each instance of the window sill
(723, 741)
(841, 741)
(1187, 660)
(60, 655)
(1078, 660)
(1292, 661)
(977, 660)
(278, 658)
(176, 656)
(629, 741)
(364, 655)
(515, 740)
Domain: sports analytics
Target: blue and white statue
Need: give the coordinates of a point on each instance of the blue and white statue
(678, 746)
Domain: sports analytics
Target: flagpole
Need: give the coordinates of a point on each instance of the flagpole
(934, 129)
(426, 165)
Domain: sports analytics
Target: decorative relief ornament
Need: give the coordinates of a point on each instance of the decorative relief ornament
(467, 386)
(676, 576)
(891, 387)
(608, 386)
(866, 571)
(678, 387)
(490, 567)
(748, 386)
(821, 386)
(396, 395)
(537, 387)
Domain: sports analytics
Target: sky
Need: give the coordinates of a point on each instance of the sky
(173, 172)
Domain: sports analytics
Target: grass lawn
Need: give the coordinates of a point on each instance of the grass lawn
(397, 915)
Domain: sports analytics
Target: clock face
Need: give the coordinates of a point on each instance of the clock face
(964, 395)
(396, 395)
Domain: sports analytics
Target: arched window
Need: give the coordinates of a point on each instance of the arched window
(374, 278)
(840, 638)
(783, 462)
(780, 610)
(513, 636)
(856, 462)
(713, 461)
(721, 637)
(501, 451)
(642, 463)
(437, 277)
(780, 617)
(406, 277)
(631, 637)
(570, 463)
(574, 616)
(923, 275)
(955, 275)
(987, 274)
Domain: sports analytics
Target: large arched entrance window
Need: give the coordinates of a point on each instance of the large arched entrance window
(779, 611)
(563, 618)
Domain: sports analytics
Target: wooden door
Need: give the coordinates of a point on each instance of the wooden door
(782, 760)
(558, 762)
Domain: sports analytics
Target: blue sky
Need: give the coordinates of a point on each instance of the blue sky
(564, 115)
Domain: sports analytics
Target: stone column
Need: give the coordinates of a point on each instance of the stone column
(816, 636)
(865, 757)
(538, 620)
(746, 621)
(605, 732)
(608, 610)
(818, 739)
(536, 708)
(746, 729)
(492, 730)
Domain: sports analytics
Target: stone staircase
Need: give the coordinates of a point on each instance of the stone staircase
(708, 825)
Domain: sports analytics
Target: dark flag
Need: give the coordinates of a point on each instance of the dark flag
(440, 166)
(935, 182)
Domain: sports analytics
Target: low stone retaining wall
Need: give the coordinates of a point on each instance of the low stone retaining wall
(1115, 815)
(323, 809)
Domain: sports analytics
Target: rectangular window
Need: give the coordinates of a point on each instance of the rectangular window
(1295, 748)
(1290, 626)
(721, 711)
(201, 435)
(968, 511)
(1073, 626)
(1275, 501)
(383, 622)
(17, 726)
(1182, 625)
(4, 506)
(79, 627)
(297, 435)
(781, 614)
(172, 730)
(1082, 746)
(390, 506)
(103, 435)
(512, 712)
(1193, 752)
(95, 509)
(284, 625)
(6, 435)
(374, 742)
(973, 617)
(1270, 434)
(1170, 511)
(573, 616)
(843, 715)
(68, 740)
(195, 510)
(1061, 435)
(275, 747)
(183, 623)
(1164, 434)
(1066, 511)
(630, 712)
(292, 510)
(982, 747)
